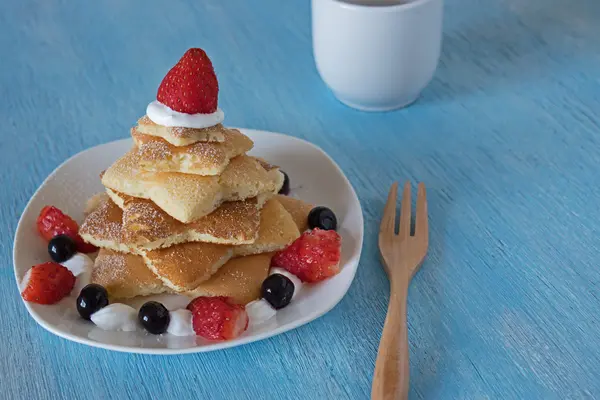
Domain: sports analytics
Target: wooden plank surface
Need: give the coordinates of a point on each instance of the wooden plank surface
(506, 138)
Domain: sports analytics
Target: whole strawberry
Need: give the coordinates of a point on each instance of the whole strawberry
(313, 257)
(218, 318)
(191, 86)
(47, 283)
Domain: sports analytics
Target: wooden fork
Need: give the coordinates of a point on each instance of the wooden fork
(402, 255)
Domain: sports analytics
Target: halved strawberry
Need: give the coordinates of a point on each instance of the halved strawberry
(52, 222)
(47, 283)
(218, 318)
(313, 257)
(191, 86)
(84, 247)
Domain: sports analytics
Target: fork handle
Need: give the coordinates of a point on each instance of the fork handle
(390, 380)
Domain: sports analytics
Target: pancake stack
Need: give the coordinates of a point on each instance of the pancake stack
(187, 211)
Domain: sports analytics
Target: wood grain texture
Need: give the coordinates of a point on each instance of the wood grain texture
(402, 254)
(505, 137)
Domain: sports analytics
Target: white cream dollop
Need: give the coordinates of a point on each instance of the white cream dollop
(295, 280)
(80, 266)
(116, 317)
(165, 116)
(180, 323)
(259, 311)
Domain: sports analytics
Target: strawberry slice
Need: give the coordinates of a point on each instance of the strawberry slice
(313, 257)
(218, 318)
(191, 86)
(52, 222)
(47, 283)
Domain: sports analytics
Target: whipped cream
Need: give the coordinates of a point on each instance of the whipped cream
(180, 323)
(295, 280)
(80, 266)
(259, 311)
(116, 317)
(165, 116)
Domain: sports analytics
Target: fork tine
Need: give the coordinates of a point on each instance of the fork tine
(404, 229)
(388, 221)
(421, 223)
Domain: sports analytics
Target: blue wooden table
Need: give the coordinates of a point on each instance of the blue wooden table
(507, 138)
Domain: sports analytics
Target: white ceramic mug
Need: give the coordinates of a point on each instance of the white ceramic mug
(377, 57)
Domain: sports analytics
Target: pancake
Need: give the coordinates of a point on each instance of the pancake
(188, 197)
(298, 209)
(145, 225)
(240, 279)
(179, 136)
(201, 158)
(124, 176)
(277, 230)
(103, 227)
(184, 266)
(125, 275)
(247, 177)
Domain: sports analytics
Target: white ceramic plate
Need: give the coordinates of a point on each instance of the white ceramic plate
(315, 178)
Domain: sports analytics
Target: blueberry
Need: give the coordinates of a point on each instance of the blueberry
(91, 298)
(285, 189)
(277, 290)
(61, 248)
(154, 317)
(323, 218)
